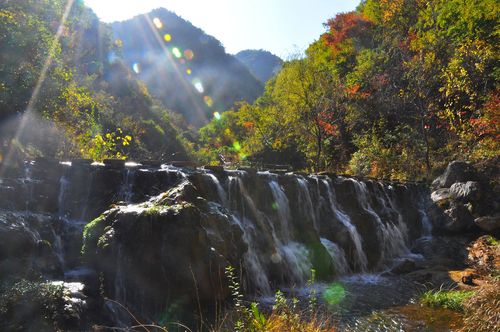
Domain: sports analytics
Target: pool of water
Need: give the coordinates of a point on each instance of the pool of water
(372, 302)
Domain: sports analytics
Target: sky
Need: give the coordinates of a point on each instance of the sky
(283, 27)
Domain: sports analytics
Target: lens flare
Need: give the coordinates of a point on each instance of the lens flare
(136, 67)
(112, 57)
(182, 61)
(157, 22)
(176, 52)
(217, 115)
(334, 294)
(209, 101)
(189, 71)
(167, 37)
(189, 54)
(198, 85)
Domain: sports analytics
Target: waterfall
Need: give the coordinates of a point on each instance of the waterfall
(28, 183)
(361, 260)
(236, 202)
(393, 236)
(63, 188)
(282, 207)
(306, 201)
(126, 192)
(277, 227)
(297, 257)
(220, 191)
(338, 257)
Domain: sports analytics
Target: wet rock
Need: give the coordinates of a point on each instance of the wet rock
(469, 191)
(457, 171)
(114, 163)
(441, 194)
(27, 246)
(406, 266)
(170, 244)
(488, 223)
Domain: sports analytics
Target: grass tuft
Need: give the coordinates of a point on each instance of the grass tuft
(450, 299)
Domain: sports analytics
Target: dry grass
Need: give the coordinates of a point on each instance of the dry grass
(281, 323)
(482, 311)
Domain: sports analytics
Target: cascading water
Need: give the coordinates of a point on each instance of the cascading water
(126, 191)
(283, 221)
(305, 198)
(282, 207)
(238, 202)
(338, 257)
(393, 236)
(361, 260)
(220, 191)
(28, 183)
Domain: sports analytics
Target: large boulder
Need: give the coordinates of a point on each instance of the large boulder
(463, 200)
(488, 223)
(27, 246)
(469, 191)
(177, 242)
(450, 217)
(457, 171)
(442, 194)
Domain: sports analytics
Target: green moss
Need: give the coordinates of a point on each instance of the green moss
(91, 233)
(492, 241)
(450, 299)
(154, 210)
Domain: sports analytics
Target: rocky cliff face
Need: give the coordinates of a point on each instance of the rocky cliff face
(163, 235)
(465, 200)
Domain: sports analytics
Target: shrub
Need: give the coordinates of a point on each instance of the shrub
(32, 306)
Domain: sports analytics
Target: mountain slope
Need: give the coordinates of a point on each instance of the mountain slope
(186, 69)
(262, 64)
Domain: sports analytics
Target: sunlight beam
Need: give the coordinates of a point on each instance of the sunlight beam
(41, 79)
(161, 42)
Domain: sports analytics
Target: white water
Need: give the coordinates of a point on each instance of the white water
(297, 257)
(282, 207)
(306, 201)
(338, 257)
(361, 260)
(220, 191)
(394, 236)
(126, 192)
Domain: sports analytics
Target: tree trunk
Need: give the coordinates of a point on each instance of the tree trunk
(427, 148)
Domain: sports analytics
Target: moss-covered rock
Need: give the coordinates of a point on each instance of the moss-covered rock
(173, 247)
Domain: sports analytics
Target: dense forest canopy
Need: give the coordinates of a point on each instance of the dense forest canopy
(394, 89)
(65, 91)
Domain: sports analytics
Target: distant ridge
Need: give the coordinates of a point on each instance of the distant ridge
(188, 70)
(262, 64)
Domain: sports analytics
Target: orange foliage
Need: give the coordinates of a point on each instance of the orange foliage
(248, 125)
(347, 26)
(489, 123)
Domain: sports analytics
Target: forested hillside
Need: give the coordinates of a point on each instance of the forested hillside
(262, 64)
(394, 89)
(65, 91)
(188, 70)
